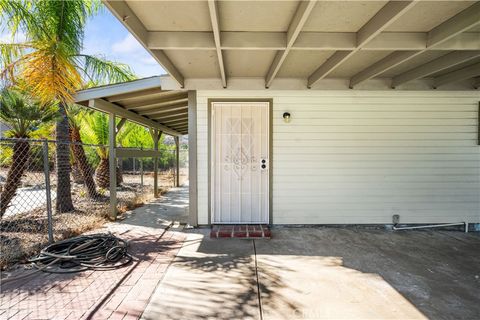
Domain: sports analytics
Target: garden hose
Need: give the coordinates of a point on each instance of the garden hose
(86, 252)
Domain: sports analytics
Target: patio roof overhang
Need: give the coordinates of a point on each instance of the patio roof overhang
(396, 41)
(141, 101)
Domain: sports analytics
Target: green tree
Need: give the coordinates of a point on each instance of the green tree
(95, 131)
(51, 66)
(23, 115)
(75, 116)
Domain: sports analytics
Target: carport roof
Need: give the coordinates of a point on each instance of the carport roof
(142, 101)
(311, 40)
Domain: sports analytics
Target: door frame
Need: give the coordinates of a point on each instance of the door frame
(270, 150)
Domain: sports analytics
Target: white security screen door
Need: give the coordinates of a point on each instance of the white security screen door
(240, 160)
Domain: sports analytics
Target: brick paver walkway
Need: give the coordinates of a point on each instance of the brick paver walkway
(115, 294)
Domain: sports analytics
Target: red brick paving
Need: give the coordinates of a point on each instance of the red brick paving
(115, 294)
(247, 231)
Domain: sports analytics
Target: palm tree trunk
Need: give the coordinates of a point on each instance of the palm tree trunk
(64, 189)
(82, 162)
(77, 174)
(102, 174)
(21, 153)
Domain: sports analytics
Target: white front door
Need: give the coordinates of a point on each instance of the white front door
(240, 162)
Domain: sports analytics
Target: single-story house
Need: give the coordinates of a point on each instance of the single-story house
(314, 112)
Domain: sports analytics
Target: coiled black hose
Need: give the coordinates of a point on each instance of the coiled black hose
(94, 252)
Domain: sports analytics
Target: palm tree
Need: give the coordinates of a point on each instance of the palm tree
(95, 131)
(51, 66)
(75, 116)
(23, 115)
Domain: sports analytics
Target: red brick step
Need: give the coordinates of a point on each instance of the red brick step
(243, 231)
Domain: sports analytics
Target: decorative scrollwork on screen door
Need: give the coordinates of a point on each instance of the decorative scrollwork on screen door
(239, 152)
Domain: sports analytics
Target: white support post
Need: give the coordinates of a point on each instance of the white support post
(192, 158)
(156, 137)
(112, 165)
(177, 161)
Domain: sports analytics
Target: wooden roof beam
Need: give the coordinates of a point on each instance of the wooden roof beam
(161, 110)
(155, 103)
(465, 20)
(234, 40)
(476, 83)
(301, 15)
(458, 75)
(171, 119)
(108, 107)
(213, 8)
(436, 65)
(381, 20)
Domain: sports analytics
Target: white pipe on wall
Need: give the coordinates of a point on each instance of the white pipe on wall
(433, 226)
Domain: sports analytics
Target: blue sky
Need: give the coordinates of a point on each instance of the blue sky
(106, 36)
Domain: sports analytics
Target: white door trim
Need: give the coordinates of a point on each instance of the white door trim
(264, 208)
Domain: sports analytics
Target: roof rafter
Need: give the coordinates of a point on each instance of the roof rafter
(436, 65)
(301, 15)
(170, 112)
(118, 89)
(177, 122)
(248, 40)
(134, 95)
(108, 107)
(123, 13)
(161, 112)
(476, 83)
(153, 103)
(381, 20)
(458, 75)
(213, 8)
(464, 20)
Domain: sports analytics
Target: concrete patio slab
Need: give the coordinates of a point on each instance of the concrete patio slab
(171, 207)
(209, 279)
(323, 273)
(344, 273)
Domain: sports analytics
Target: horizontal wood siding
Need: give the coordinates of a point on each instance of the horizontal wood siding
(360, 157)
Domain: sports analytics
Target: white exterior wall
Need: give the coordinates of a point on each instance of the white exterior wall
(362, 156)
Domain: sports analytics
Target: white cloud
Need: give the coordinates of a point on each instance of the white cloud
(128, 45)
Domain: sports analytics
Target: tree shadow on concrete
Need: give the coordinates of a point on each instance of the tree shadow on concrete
(214, 284)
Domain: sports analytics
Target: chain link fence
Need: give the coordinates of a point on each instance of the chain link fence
(53, 190)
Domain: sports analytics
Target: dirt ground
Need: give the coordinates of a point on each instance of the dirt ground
(24, 234)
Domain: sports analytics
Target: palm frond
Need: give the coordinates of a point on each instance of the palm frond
(52, 68)
(23, 114)
(76, 115)
(124, 133)
(95, 131)
(18, 16)
(50, 74)
(102, 71)
(11, 55)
